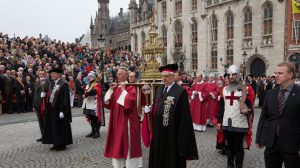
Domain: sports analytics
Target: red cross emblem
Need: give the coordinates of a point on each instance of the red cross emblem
(232, 97)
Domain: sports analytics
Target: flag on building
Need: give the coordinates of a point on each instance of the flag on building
(296, 6)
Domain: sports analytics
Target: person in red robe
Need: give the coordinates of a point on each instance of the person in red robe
(198, 94)
(123, 142)
(212, 100)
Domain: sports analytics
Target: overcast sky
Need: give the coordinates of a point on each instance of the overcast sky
(61, 19)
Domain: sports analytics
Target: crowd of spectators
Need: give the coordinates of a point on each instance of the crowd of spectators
(22, 58)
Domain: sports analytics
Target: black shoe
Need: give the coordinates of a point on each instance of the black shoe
(39, 140)
(97, 135)
(53, 148)
(61, 148)
(90, 135)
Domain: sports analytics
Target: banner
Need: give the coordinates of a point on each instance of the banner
(296, 6)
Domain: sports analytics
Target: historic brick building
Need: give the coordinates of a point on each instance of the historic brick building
(115, 30)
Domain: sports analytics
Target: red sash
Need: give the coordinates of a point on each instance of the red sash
(20, 82)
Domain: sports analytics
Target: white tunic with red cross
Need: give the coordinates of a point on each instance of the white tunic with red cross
(232, 109)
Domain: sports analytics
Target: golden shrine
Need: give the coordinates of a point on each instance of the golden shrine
(153, 49)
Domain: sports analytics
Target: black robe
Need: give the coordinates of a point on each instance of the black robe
(175, 143)
(57, 131)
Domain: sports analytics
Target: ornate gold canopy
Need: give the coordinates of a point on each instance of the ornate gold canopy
(153, 49)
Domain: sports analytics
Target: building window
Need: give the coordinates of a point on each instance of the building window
(194, 5)
(194, 28)
(267, 23)
(143, 39)
(247, 41)
(296, 30)
(230, 25)
(164, 9)
(136, 43)
(214, 57)
(229, 54)
(178, 7)
(164, 36)
(214, 29)
(178, 34)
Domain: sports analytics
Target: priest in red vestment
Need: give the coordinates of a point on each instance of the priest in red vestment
(212, 100)
(198, 94)
(123, 143)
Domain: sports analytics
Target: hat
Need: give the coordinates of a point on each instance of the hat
(56, 70)
(169, 68)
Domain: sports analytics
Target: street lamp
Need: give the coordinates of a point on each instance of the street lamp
(244, 65)
(101, 41)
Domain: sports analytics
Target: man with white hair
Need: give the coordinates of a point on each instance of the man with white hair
(171, 137)
(123, 142)
(198, 96)
(234, 118)
(212, 100)
(93, 105)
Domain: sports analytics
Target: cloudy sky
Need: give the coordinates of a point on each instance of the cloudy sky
(61, 19)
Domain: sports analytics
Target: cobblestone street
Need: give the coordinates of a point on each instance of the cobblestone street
(18, 146)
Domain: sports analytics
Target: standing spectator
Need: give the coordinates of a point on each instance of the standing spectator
(8, 91)
(29, 87)
(252, 82)
(20, 91)
(39, 99)
(279, 128)
(79, 90)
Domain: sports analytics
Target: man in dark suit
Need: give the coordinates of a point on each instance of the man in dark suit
(29, 85)
(279, 125)
(8, 91)
(39, 98)
(20, 91)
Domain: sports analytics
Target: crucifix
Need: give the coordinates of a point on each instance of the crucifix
(232, 97)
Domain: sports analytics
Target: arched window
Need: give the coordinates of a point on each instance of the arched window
(214, 39)
(178, 34)
(230, 35)
(164, 35)
(194, 27)
(194, 5)
(267, 18)
(229, 25)
(214, 28)
(247, 22)
(135, 43)
(267, 23)
(143, 36)
(178, 7)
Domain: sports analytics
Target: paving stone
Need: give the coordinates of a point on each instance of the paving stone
(18, 146)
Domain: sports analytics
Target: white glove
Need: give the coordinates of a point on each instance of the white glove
(61, 115)
(43, 94)
(147, 109)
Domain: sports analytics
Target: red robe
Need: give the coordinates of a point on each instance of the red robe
(197, 107)
(212, 101)
(251, 97)
(120, 117)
